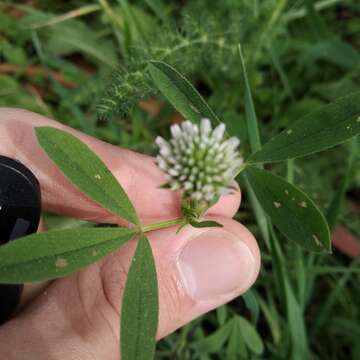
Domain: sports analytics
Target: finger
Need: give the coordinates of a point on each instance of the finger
(198, 270)
(137, 173)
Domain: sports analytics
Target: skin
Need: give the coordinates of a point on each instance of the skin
(77, 317)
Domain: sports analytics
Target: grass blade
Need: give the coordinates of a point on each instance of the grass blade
(334, 208)
(251, 119)
(295, 318)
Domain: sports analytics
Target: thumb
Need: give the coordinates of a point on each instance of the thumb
(198, 270)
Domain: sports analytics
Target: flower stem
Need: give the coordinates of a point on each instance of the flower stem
(163, 224)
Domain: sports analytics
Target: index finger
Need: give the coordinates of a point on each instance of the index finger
(137, 173)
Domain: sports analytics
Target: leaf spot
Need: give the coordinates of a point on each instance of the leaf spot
(94, 252)
(277, 204)
(289, 132)
(317, 241)
(61, 263)
(348, 127)
(358, 119)
(286, 191)
(303, 204)
(97, 176)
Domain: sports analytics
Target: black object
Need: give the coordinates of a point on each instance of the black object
(20, 208)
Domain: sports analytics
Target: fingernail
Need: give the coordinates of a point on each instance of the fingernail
(216, 264)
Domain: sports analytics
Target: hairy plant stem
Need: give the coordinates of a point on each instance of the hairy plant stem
(162, 224)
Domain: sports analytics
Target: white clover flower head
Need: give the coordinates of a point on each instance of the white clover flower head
(199, 161)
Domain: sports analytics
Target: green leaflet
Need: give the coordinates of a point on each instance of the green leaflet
(214, 342)
(323, 128)
(57, 253)
(239, 333)
(180, 92)
(250, 336)
(252, 304)
(139, 313)
(236, 347)
(291, 210)
(86, 170)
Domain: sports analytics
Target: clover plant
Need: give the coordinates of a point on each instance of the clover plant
(201, 162)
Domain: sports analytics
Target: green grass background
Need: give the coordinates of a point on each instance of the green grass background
(57, 57)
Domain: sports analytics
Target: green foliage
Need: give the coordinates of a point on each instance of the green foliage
(188, 43)
(323, 128)
(139, 312)
(239, 337)
(292, 69)
(179, 91)
(204, 224)
(57, 253)
(86, 170)
(334, 208)
(250, 336)
(293, 212)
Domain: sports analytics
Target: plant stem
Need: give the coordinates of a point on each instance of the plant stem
(162, 224)
(87, 9)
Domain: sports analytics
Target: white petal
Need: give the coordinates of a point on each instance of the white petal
(233, 143)
(218, 132)
(187, 126)
(165, 151)
(188, 185)
(196, 195)
(171, 159)
(161, 163)
(209, 196)
(175, 131)
(175, 186)
(161, 142)
(173, 172)
(205, 126)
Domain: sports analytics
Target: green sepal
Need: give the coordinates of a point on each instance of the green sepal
(204, 224)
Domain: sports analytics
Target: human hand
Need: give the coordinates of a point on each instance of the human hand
(77, 317)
